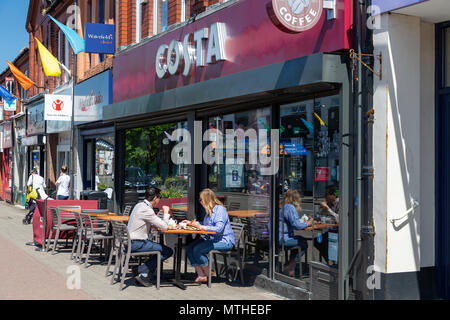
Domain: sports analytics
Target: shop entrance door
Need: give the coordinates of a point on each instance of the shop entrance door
(309, 186)
(443, 202)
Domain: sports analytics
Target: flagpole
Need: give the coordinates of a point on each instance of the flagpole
(72, 135)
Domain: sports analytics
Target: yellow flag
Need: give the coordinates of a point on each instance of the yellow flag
(320, 119)
(49, 62)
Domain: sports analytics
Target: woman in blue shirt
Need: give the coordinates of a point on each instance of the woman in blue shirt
(216, 219)
(290, 221)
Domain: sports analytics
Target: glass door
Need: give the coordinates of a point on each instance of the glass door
(309, 187)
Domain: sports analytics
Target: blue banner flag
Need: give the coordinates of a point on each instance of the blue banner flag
(77, 43)
(6, 95)
(308, 125)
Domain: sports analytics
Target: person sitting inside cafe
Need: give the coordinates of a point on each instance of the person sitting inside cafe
(290, 221)
(216, 219)
(140, 224)
(330, 207)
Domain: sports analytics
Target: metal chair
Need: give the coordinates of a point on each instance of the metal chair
(123, 254)
(78, 238)
(94, 230)
(232, 206)
(258, 230)
(237, 229)
(127, 210)
(58, 226)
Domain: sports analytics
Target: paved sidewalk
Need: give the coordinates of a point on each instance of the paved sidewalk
(29, 274)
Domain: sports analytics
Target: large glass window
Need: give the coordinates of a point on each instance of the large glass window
(104, 163)
(309, 177)
(148, 162)
(244, 186)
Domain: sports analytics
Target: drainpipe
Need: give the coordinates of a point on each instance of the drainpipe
(72, 127)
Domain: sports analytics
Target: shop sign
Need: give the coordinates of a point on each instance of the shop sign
(295, 149)
(170, 58)
(100, 38)
(30, 141)
(58, 107)
(90, 97)
(384, 6)
(10, 106)
(298, 15)
(20, 127)
(35, 120)
(322, 174)
(7, 134)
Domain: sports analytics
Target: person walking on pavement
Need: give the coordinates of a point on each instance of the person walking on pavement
(63, 184)
(37, 185)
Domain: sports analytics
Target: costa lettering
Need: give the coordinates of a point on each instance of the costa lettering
(180, 57)
(298, 15)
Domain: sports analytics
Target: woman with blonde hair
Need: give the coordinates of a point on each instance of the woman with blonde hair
(216, 219)
(290, 221)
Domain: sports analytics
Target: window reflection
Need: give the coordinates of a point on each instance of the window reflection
(148, 163)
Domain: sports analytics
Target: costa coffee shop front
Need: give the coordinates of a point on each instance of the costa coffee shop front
(251, 64)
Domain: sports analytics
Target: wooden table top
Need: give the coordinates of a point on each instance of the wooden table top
(183, 208)
(115, 218)
(245, 213)
(183, 231)
(88, 211)
(318, 226)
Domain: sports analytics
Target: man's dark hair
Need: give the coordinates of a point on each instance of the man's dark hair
(330, 191)
(152, 193)
(34, 171)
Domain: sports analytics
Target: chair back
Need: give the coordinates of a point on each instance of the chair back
(237, 230)
(55, 216)
(259, 226)
(67, 212)
(232, 206)
(127, 210)
(179, 215)
(78, 220)
(178, 205)
(121, 234)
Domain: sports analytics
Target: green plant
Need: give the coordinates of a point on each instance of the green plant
(158, 180)
(170, 182)
(172, 192)
(102, 186)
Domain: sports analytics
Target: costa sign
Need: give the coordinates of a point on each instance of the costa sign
(181, 56)
(297, 15)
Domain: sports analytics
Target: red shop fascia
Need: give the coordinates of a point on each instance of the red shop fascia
(254, 38)
(6, 157)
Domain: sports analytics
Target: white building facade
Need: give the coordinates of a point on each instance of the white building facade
(411, 146)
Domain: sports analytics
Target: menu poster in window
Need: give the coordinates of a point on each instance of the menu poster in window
(322, 174)
(234, 175)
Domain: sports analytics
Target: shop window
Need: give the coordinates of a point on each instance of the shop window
(242, 185)
(148, 163)
(104, 163)
(309, 177)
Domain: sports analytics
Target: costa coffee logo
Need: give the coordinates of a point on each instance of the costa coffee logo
(58, 105)
(298, 15)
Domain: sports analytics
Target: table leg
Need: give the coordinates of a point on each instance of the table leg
(177, 280)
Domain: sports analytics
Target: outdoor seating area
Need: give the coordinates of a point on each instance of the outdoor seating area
(93, 236)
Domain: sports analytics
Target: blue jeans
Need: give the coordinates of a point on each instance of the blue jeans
(197, 251)
(147, 245)
(60, 197)
(297, 241)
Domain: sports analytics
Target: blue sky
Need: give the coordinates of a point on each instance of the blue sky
(13, 35)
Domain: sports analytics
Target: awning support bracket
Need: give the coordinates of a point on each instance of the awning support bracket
(355, 56)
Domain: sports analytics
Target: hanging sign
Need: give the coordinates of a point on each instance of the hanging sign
(10, 106)
(100, 38)
(297, 15)
(58, 107)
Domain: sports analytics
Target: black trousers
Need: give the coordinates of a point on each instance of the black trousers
(31, 207)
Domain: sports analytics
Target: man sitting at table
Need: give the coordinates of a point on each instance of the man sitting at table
(140, 224)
